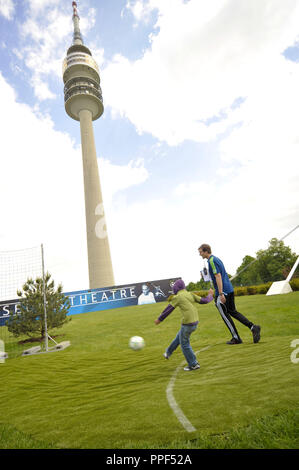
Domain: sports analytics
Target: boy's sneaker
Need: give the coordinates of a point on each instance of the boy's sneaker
(256, 333)
(197, 366)
(166, 355)
(234, 341)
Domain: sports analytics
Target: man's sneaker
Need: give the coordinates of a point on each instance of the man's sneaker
(234, 341)
(197, 366)
(256, 333)
(166, 355)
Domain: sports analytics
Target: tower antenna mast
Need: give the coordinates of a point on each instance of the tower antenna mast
(77, 33)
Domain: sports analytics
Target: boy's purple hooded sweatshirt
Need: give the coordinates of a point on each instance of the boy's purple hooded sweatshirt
(177, 286)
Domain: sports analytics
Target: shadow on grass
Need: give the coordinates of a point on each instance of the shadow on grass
(37, 339)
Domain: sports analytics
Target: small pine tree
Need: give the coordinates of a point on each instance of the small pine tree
(29, 318)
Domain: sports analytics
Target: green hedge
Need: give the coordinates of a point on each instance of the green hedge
(253, 290)
(294, 283)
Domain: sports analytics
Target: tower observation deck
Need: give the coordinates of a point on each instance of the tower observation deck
(81, 77)
(83, 102)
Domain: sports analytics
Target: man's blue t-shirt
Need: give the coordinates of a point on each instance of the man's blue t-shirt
(216, 266)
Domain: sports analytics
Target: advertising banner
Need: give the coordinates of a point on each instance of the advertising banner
(93, 300)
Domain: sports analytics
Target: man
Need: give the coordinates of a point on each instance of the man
(147, 297)
(186, 301)
(225, 298)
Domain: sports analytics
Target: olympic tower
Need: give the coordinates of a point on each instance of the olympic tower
(83, 102)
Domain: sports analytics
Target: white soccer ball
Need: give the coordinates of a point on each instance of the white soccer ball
(136, 343)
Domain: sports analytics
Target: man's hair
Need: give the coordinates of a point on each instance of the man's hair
(205, 247)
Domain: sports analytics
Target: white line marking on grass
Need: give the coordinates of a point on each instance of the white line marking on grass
(172, 401)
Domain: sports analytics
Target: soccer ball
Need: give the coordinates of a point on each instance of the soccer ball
(136, 343)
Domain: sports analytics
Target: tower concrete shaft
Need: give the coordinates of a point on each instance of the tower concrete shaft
(99, 258)
(84, 103)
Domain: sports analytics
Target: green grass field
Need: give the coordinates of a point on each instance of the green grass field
(100, 394)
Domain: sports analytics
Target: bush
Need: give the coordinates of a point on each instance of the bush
(294, 283)
(251, 290)
(239, 291)
(261, 289)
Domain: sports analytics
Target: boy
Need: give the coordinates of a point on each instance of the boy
(186, 302)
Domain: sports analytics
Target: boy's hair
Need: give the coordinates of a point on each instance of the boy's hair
(205, 247)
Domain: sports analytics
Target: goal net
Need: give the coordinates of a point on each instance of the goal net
(16, 267)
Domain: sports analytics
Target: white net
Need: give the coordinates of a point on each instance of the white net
(16, 267)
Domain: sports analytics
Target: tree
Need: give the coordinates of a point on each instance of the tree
(199, 285)
(272, 264)
(29, 318)
(276, 262)
(248, 273)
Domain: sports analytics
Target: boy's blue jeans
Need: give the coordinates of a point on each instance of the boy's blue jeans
(183, 338)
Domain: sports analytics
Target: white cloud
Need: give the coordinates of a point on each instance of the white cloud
(35, 160)
(41, 89)
(36, 6)
(44, 45)
(201, 189)
(203, 57)
(118, 177)
(42, 182)
(46, 34)
(140, 10)
(7, 9)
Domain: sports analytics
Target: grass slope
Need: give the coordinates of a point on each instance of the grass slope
(100, 394)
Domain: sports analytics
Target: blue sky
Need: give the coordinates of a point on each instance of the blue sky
(199, 140)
